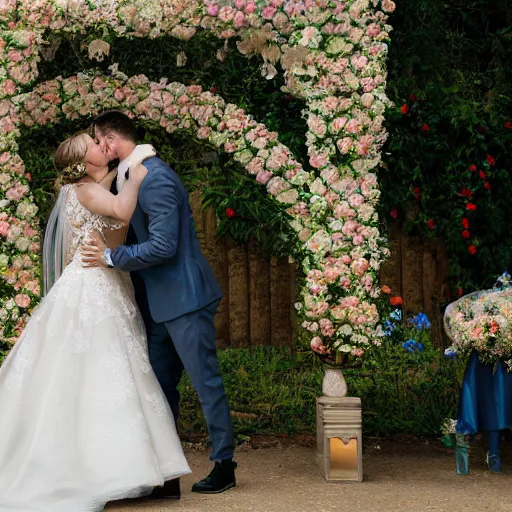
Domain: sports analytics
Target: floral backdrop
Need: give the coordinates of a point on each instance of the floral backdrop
(332, 55)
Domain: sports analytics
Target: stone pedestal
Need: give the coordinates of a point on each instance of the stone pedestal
(339, 438)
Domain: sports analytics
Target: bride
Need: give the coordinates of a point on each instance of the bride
(83, 419)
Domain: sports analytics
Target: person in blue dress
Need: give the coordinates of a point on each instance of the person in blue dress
(485, 404)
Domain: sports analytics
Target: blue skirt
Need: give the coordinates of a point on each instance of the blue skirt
(486, 398)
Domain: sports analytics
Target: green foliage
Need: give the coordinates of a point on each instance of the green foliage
(274, 390)
(455, 59)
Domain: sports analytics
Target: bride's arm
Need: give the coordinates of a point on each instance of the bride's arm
(121, 207)
(107, 181)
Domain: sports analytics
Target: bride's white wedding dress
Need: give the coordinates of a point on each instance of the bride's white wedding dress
(83, 419)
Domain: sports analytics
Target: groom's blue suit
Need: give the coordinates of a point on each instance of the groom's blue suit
(180, 298)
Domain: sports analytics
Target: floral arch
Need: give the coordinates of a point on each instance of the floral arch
(332, 54)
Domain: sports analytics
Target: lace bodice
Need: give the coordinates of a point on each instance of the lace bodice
(80, 223)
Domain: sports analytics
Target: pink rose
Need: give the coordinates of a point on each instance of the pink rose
(317, 345)
(263, 177)
(353, 126)
(255, 165)
(356, 200)
(204, 132)
(368, 84)
(4, 229)
(239, 19)
(230, 147)
(344, 145)
(318, 161)
(349, 302)
(213, 10)
(358, 240)
(326, 327)
(22, 300)
(367, 99)
(239, 4)
(346, 259)
(372, 30)
(357, 352)
(250, 7)
(338, 124)
(269, 12)
(360, 266)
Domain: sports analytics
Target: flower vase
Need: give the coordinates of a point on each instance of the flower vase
(334, 384)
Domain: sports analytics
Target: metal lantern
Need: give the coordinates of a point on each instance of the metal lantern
(339, 438)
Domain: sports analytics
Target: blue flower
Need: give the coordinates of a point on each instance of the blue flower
(420, 321)
(389, 328)
(396, 314)
(450, 353)
(412, 346)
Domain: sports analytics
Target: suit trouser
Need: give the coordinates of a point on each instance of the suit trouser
(188, 342)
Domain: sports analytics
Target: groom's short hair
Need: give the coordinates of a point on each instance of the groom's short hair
(117, 122)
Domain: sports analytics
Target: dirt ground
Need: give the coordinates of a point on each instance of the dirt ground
(400, 475)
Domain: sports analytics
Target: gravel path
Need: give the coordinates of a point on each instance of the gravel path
(399, 476)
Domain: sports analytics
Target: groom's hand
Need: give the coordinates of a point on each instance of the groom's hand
(92, 252)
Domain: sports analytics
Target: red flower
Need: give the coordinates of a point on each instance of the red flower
(487, 185)
(472, 249)
(465, 223)
(490, 160)
(466, 234)
(213, 89)
(413, 97)
(288, 97)
(396, 301)
(28, 176)
(230, 213)
(507, 125)
(482, 175)
(471, 207)
(482, 129)
(431, 224)
(425, 128)
(417, 192)
(472, 168)
(465, 192)
(404, 109)
(459, 292)
(394, 213)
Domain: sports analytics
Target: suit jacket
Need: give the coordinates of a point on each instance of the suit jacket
(167, 256)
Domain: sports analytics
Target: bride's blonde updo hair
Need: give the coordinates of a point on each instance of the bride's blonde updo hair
(69, 159)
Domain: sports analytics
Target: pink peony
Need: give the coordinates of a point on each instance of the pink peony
(213, 10)
(22, 300)
(326, 327)
(318, 161)
(372, 30)
(4, 228)
(344, 145)
(318, 346)
(338, 124)
(239, 19)
(269, 12)
(263, 177)
(360, 266)
(250, 7)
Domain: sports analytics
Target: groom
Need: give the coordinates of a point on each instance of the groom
(177, 294)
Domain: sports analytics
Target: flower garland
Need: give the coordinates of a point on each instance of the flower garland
(333, 56)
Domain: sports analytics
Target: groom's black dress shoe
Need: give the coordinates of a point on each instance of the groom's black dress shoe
(219, 480)
(169, 491)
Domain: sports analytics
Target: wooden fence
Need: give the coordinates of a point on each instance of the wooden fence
(257, 308)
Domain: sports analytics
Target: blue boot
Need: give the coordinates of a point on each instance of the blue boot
(494, 455)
